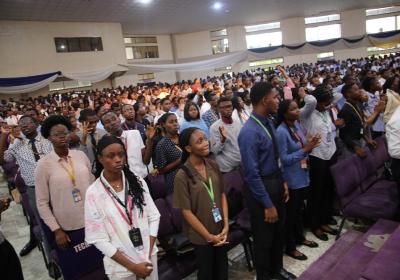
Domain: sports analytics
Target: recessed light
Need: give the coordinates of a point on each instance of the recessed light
(217, 5)
(145, 2)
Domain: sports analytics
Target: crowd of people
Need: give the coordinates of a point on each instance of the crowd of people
(85, 158)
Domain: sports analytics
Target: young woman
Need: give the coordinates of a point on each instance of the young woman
(294, 148)
(199, 192)
(239, 112)
(168, 153)
(191, 114)
(121, 218)
(61, 180)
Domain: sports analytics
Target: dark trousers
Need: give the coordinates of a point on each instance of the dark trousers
(10, 266)
(212, 262)
(294, 219)
(321, 193)
(375, 134)
(268, 237)
(395, 167)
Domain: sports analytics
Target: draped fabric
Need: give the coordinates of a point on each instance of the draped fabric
(96, 75)
(385, 39)
(26, 84)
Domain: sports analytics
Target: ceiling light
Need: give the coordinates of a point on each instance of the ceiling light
(145, 2)
(217, 5)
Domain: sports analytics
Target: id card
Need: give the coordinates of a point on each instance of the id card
(76, 195)
(304, 164)
(136, 238)
(361, 131)
(216, 214)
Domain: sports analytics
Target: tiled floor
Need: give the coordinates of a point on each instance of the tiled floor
(16, 230)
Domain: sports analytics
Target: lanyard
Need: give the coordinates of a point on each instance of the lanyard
(127, 205)
(210, 189)
(260, 123)
(69, 168)
(356, 111)
(295, 135)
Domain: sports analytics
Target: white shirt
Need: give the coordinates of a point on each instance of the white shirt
(104, 225)
(134, 144)
(13, 120)
(393, 134)
(204, 108)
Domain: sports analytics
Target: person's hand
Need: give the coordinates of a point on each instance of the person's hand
(5, 130)
(270, 215)
(312, 142)
(62, 239)
(4, 204)
(142, 270)
(380, 107)
(372, 144)
(361, 152)
(154, 172)
(150, 132)
(302, 92)
(223, 133)
(285, 192)
(339, 123)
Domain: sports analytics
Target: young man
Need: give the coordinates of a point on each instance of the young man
(165, 108)
(211, 115)
(139, 155)
(224, 134)
(130, 122)
(26, 152)
(265, 191)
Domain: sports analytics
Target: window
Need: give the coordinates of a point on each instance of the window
(319, 19)
(261, 27)
(323, 32)
(264, 40)
(140, 52)
(227, 68)
(140, 40)
(384, 24)
(218, 33)
(220, 46)
(78, 44)
(382, 11)
(266, 62)
(146, 77)
(325, 55)
(61, 85)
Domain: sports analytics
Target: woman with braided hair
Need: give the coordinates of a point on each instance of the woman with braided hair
(199, 192)
(121, 218)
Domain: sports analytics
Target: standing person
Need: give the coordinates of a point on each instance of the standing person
(165, 108)
(121, 219)
(211, 115)
(224, 137)
(320, 202)
(130, 122)
(199, 193)
(168, 153)
(391, 89)
(192, 119)
(294, 148)
(26, 153)
(62, 178)
(393, 140)
(140, 114)
(265, 191)
(239, 112)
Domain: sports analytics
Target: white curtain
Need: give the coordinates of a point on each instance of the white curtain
(28, 87)
(96, 75)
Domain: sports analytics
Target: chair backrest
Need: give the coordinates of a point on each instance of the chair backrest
(166, 226)
(347, 180)
(367, 170)
(157, 186)
(234, 185)
(380, 154)
(176, 214)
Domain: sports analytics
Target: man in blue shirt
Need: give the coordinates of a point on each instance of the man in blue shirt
(265, 191)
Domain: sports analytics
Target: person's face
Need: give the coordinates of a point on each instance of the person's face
(214, 101)
(171, 125)
(376, 85)
(128, 112)
(225, 108)
(112, 123)
(395, 85)
(59, 136)
(193, 112)
(293, 112)
(91, 123)
(14, 111)
(71, 113)
(117, 110)
(275, 81)
(73, 122)
(166, 106)
(101, 111)
(198, 144)
(142, 110)
(65, 112)
(113, 158)
(228, 93)
(32, 114)
(241, 103)
(271, 101)
(28, 127)
(315, 81)
(355, 93)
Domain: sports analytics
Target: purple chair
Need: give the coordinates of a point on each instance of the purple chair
(157, 186)
(380, 154)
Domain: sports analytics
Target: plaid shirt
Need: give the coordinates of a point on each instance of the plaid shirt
(210, 117)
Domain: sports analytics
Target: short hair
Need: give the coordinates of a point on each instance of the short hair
(367, 83)
(85, 113)
(124, 105)
(322, 93)
(208, 94)
(26, 116)
(53, 121)
(162, 101)
(346, 88)
(259, 91)
(186, 111)
(105, 113)
(283, 108)
(115, 105)
(224, 99)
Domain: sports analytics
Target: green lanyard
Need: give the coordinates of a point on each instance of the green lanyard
(260, 123)
(210, 189)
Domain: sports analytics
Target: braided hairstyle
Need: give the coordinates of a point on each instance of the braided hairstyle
(184, 140)
(135, 185)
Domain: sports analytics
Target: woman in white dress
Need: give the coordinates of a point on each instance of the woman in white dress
(121, 219)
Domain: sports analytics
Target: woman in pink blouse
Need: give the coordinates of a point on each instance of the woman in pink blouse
(61, 178)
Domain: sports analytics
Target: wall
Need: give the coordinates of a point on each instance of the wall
(27, 48)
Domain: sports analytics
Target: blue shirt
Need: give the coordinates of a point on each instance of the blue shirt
(369, 109)
(291, 154)
(196, 123)
(258, 157)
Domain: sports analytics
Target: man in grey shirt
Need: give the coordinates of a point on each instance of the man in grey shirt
(224, 137)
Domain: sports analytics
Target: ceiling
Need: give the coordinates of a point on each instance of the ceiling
(173, 16)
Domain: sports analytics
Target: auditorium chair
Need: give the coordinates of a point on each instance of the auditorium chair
(157, 186)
